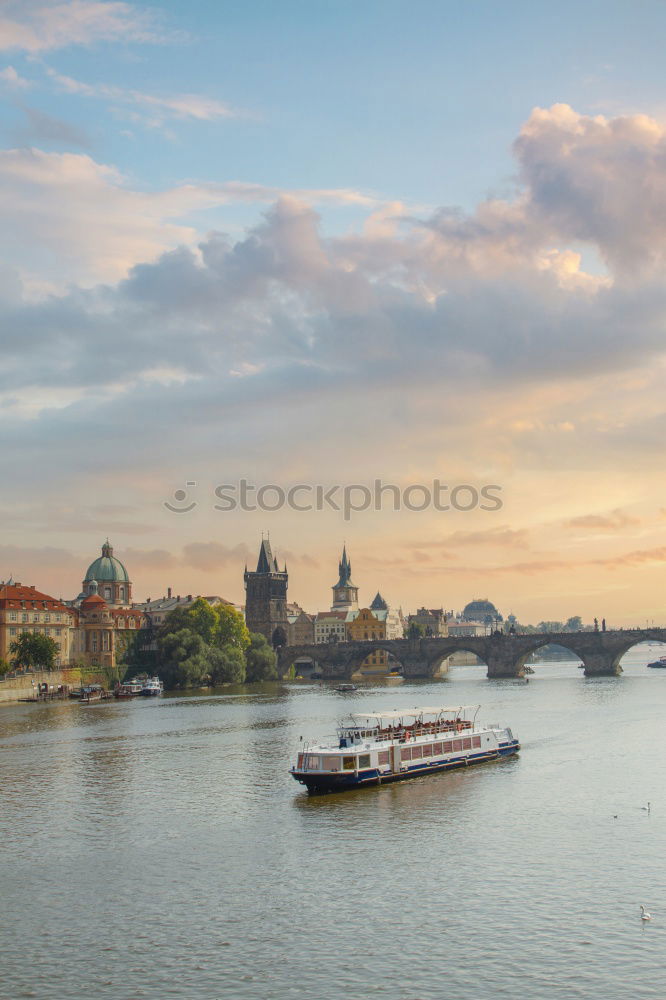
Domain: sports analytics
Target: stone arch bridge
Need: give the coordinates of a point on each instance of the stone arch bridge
(505, 655)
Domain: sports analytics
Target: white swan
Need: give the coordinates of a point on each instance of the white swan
(646, 808)
(644, 914)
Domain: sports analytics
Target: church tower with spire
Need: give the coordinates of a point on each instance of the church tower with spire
(345, 594)
(266, 597)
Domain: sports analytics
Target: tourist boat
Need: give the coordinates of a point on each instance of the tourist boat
(152, 687)
(661, 662)
(129, 689)
(377, 747)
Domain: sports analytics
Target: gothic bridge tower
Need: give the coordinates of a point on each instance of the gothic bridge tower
(266, 597)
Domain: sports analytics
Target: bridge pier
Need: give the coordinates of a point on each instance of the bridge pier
(601, 664)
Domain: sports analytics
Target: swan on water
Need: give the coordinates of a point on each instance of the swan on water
(644, 914)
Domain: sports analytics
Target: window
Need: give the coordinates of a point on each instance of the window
(47, 618)
(405, 753)
(94, 642)
(122, 593)
(35, 618)
(58, 631)
(364, 760)
(436, 748)
(312, 762)
(467, 744)
(132, 623)
(383, 757)
(349, 763)
(476, 741)
(13, 631)
(427, 751)
(105, 641)
(457, 744)
(13, 616)
(58, 618)
(107, 593)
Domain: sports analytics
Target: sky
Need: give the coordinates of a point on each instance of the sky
(327, 245)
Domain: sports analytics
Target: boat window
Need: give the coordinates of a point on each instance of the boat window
(364, 760)
(476, 741)
(448, 747)
(383, 757)
(349, 763)
(331, 763)
(467, 743)
(427, 751)
(457, 744)
(313, 762)
(437, 748)
(406, 754)
(417, 752)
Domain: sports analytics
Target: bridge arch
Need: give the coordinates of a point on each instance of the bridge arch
(653, 650)
(543, 643)
(439, 665)
(376, 658)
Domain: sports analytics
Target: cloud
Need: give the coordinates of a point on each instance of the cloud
(45, 128)
(611, 521)
(10, 78)
(597, 180)
(156, 108)
(38, 27)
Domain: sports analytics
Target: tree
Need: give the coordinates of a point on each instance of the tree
(550, 627)
(183, 657)
(226, 664)
(261, 659)
(415, 631)
(5, 667)
(574, 624)
(32, 649)
(231, 628)
(204, 619)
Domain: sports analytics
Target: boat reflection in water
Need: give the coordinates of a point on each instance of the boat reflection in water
(378, 747)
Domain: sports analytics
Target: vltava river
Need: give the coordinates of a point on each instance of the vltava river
(158, 849)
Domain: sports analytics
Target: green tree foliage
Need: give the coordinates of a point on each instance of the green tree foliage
(183, 659)
(261, 659)
(226, 664)
(32, 649)
(231, 628)
(5, 667)
(203, 644)
(415, 631)
(574, 624)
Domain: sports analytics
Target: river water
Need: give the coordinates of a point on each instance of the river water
(159, 848)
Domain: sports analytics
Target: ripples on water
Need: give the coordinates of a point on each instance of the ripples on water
(160, 849)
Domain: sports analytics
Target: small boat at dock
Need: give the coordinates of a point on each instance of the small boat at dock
(128, 689)
(659, 664)
(152, 687)
(346, 687)
(377, 747)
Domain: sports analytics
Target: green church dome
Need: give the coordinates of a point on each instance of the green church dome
(107, 568)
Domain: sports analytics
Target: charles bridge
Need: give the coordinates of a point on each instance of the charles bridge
(504, 654)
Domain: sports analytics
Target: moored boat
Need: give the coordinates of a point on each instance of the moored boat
(129, 689)
(378, 747)
(660, 663)
(152, 687)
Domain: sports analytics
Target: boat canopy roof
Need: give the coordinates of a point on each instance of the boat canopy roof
(411, 713)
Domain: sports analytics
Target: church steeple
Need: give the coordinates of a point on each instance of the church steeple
(345, 594)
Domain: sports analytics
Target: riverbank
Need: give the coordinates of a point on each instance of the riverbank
(18, 688)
